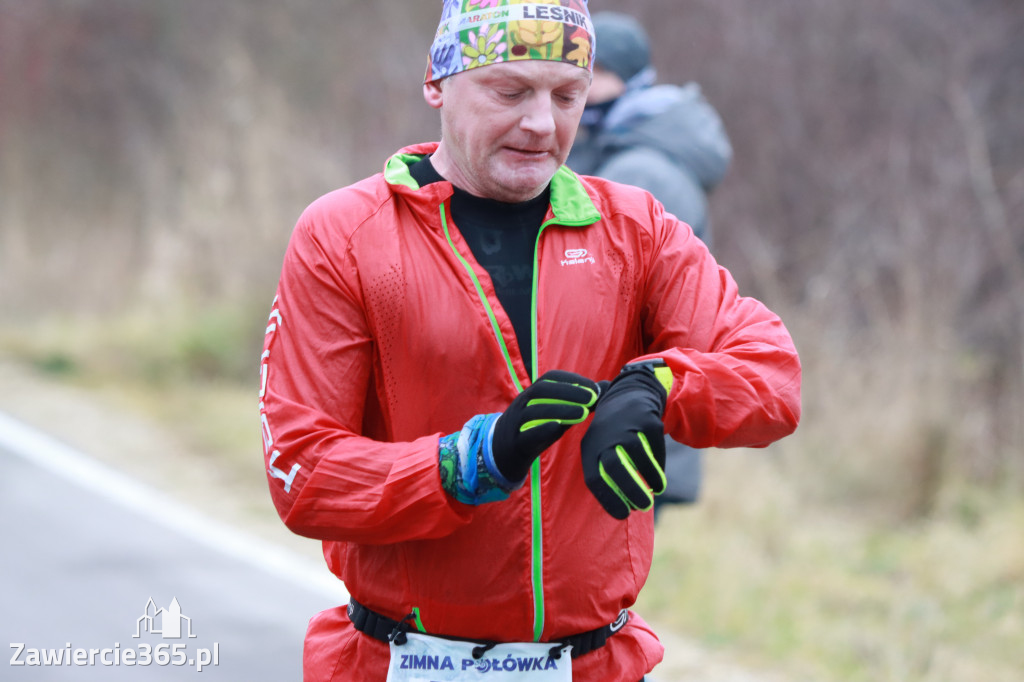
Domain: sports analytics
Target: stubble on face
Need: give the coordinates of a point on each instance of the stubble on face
(507, 128)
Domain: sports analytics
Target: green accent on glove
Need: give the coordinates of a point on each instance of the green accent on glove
(638, 495)
(554, 403)
(538, 417)
(623, 450)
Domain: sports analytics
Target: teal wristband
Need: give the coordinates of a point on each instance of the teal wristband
(465, 472)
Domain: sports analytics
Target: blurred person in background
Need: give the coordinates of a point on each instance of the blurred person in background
(470, 365)
(664, 138)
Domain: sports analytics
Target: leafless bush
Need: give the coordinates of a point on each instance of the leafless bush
(163, 150)
(160, 150)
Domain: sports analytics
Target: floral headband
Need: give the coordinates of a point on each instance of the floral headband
(474, 33)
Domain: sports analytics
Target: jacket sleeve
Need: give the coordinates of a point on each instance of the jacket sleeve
(327, 479)
(736, 370)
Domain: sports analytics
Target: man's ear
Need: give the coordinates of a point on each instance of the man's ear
(432, 94)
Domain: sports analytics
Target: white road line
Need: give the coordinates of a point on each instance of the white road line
(48, 453)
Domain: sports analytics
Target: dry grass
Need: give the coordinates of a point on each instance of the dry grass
(865, 547)
(756, 569)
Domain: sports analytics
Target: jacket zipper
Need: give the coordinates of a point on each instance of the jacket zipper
(536, 529)
(536, 513)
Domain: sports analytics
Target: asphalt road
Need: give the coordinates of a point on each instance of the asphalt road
(83, 550)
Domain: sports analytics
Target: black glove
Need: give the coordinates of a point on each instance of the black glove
(538, 417)
(624, 447)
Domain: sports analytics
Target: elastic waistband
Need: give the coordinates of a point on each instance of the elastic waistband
(386, 629)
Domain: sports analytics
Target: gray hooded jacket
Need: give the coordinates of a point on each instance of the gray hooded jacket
(666, 139)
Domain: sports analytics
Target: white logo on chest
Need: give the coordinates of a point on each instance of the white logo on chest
(577, 257)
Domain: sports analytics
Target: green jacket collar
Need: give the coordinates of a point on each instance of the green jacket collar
(570, 203)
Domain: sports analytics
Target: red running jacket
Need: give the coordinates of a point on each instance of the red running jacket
(386, 335)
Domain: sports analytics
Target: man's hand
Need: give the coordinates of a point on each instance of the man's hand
(538, 417)
(624, 447)
(491, 455)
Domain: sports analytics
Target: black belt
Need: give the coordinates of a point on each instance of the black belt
(386, 629)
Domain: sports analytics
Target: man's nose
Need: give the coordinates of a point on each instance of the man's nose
(539, 118)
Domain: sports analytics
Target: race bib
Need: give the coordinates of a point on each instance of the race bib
(433, 659)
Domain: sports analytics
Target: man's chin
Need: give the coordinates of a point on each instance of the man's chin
(526, 182)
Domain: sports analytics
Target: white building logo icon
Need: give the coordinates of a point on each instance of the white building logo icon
(164, 622)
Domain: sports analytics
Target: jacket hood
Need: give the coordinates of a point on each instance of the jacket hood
(676, 120)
